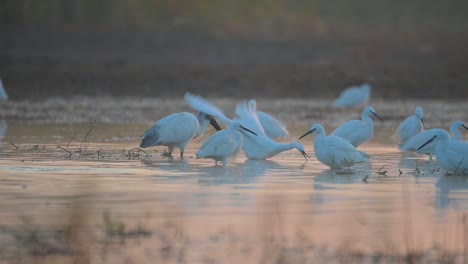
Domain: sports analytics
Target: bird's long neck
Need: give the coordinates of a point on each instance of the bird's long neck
(456, 134)
(366, 119)
(201, 128)
(320, 136)
(280, 147)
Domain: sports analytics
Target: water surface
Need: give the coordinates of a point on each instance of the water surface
(102, 201)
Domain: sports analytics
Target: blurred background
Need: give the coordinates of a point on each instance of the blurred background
(233, 48)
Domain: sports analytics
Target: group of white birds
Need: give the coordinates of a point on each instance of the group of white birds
(255, 133)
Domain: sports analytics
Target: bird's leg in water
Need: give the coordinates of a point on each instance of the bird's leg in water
(332, 165)
(348, 164)
(181, 154)
(168, 154)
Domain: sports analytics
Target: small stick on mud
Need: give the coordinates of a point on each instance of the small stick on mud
(11, 143)
(66, 150)
(382, 173)
(458, 166)
(85, 139)
(417, 168)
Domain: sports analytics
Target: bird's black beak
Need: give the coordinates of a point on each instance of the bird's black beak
(307, 133)
(248, 130)
(464, 126)
(214, 123)
(422, 121)
(427, 142)
(376, 115)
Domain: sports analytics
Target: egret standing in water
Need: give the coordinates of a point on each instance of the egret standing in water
(333, 151)
(255, 147)
(452, 155)
(415, 143)
(224, 145)
(272, 127)
(358, 131)
(353, 97)
(177, 130)
(411, 126)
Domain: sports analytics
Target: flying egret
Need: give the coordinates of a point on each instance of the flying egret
(411, 126)
(225, 144)
(414, 143)
(255, 147)
(452, 155)
(3, 94)
(176, 130)
(273, 128)
(333, 151)
(358, 131)
(353, 97)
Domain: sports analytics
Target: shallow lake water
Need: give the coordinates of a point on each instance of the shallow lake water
(69, 198)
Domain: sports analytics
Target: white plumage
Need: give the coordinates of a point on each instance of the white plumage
(255, 147)
(353, 97)
(452, 155)
(414, 143)
(333, 151)
(177, 130)
(358, 131)
(411, 126)
(223, 145)
(272, 127)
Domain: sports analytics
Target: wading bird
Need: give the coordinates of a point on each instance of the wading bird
(177, 130)
(358, 131)
(353, 97)
(272, 127)
(411, 126)
(333, 151)
(224, 145)
(452, 155)
(255, 147)
(415, 143)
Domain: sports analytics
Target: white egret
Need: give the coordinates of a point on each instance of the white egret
(333, 151)
(255, 147)
(455, 129)
(3, 94)
(358, 131)
(272, 127)
(411, 126)
(353, 97)
(414, 143)
(452, 155)
(176, 130)
(224, 145)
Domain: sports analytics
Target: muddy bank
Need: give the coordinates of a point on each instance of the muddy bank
(130, 110)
